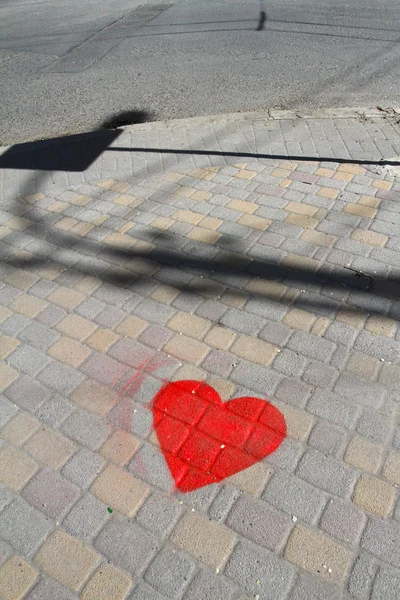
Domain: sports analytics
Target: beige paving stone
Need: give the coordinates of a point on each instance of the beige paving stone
(119, 240)
(235, 298)
(220, 337)
(245, 174)
(254, 222)
(232, 259)
(165, 294)
(120, 447)
(7, 345)
(108, 583)
(196, 173)
(272, 289)
(242, 206)
(298, 422)
(5, 313)
(301, 209)
(203, 539)
(369, 201)
(252, 480)
(20, 279)
(318, 554)
(360, 210)
(187, 216)
(51, 271)
(224, 388)
(341, 176)
(28, 305)
(76, 327)
(184, 192)
(131, 326)
(82, 229)
(206, 236)
(326, 192)
(364, 365)
(7, 376)
(141, 265)
(200, 196)
(210, 223)
(66, 298)
(187, 349)
(124, 200)
(126, 227)
(299, 319)
(80, 200)
(162, 223)
(95, 397)
(374, 495)
(282, 173)
(189, 324)
(70, 352)
(318, 238)
(285, 183)
(120, 186)
(379, 325)
(320, 326)
(34, 198)
(254, 350)
(19, 429)
(66, 223)
(322, 172)
(102, 339)
(106, 184)
(365, 236)
(288, 164)
(16, 578)
(87, 285)
(364, 455)
(382, 184)
(351, 168)
(293, 261)
(57, 207)
(352, 318)
(391, 468)
(51, 448)
(189, 372)
(17, 223)
(66, 559)
(16, 468)
(120, 490)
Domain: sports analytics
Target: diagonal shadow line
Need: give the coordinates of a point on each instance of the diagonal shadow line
(256, 155)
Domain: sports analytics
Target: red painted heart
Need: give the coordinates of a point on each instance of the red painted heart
(205, 440)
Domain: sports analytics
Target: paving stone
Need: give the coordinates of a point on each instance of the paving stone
(7, 410)
(47, 589)
(380, 347)
(16, 468)
(364, 455)
(213, 543)
(86, 518)
(28, 360)
(311, 346)
(66, 560)
(360, 390)
(50, 493)
(259, 571)
(223, 502)
(50, 448)
(343, 521)
(253, 479)
(386, 585)
(103, 368)
(255, 377)
(333, 408)
(295, 497)
(107, 582)
(170, 572)
(149, 465)
(23, 527)
(62, 378)
(391, 468)
(16, 578)
(293, 392)
(287, 455)
(159, 514)
(39, 335)
(116, 540)
(382, 539)
(363, 365)
(361, 576)
(94, 397)
(309, 587)
(319, 374)
(375, 426)
(327, 473)
(55, 411)
(19, 429)
(260, 523)
(83, 468)
(374, 495)
(119, 490)
(290, 363)
(317, 554)
(145, 592)
(86, 429)
(276, 333)
(242, 321)
(208, 586)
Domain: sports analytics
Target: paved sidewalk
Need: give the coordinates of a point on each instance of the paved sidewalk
(176, 252)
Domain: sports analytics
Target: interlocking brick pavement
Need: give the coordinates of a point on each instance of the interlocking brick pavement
(225, 260)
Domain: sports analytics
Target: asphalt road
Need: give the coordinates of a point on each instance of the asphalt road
(68, 66)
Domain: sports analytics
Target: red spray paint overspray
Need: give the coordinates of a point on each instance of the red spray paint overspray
(205, 440)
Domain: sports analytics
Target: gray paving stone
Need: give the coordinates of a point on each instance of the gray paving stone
(83, 468)
(55, 411)
(287, 455)
(132, 417)
(7, 410)
(328, 438)
(90, 308)
(28, 360)
(242, 321)
(87, 429)
(126, 545)
(333, 408)
(374, 345)
(24, 527)
(342, 520)
(295, 497)
(256, 377)
(223, 502)
(375, 426)
(60, 377)
(28, 393)
(294, 391)
(255, 520)
(109, 316)
(128, 351)
(86, 518)
(250, 564)
(199, 499)
(5, 496)
(290, 363)
(341, 334)
(319, 374)
(170, 572)
(48, 589)
(327, 473)
(50, 493)
(311, 345)
(308, 587)
(220, 363)
(208, 586)
(154, 311)
(386, 585)
(145, 592)
(51, 315)
(149, 465)
(381, 538)
(361, 576)
(159, 514)
(358, 389)
(39, 336)
(276, 333)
